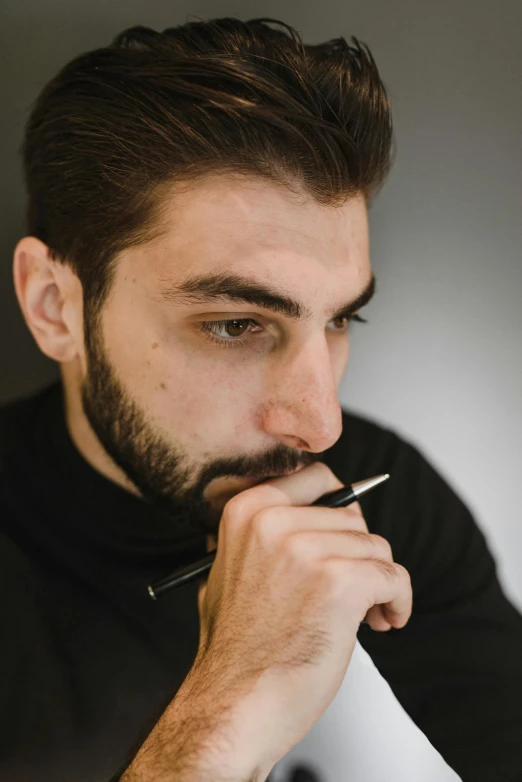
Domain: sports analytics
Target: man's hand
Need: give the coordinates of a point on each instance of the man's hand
(279, 618)
(283, 602)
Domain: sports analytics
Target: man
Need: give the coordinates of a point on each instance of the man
(197, 246)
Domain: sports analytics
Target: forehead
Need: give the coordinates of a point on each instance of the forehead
(233, 222)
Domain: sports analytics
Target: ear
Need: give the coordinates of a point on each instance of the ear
(50, 297)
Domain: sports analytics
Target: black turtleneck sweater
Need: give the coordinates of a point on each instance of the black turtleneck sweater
(88, 661)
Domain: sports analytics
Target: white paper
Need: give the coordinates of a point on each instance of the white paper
(366, 736)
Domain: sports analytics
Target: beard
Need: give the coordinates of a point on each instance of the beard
(161, 470)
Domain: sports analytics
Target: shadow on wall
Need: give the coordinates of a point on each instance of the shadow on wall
(297, 774)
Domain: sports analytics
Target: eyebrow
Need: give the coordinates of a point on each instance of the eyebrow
(211, 288)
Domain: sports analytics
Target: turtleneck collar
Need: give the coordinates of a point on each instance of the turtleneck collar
(90, 506)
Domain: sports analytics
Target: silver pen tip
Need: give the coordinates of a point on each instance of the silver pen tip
(363, 486)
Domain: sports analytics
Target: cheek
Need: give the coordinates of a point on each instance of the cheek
(210, 393)
(169, 375)
(199, 399)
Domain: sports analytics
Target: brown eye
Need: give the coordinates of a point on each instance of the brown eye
(340, 322)
(230, 333)
(235, 328)
(340, 325)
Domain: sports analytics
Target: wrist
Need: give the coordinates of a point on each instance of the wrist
(197, 739)
(214, 736)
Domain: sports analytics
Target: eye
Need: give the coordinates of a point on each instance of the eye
(342, 323)
(236, 332)
(228, 333)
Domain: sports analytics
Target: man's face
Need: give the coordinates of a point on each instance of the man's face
(194, 408)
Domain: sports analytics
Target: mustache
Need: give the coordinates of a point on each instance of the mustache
(277, 462)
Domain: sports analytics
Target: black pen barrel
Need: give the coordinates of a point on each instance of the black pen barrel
(337, 499)
(181, 576)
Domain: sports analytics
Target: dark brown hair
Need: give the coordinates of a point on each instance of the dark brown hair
(118, 127)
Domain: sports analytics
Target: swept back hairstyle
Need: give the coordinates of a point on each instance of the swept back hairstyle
(114, 132)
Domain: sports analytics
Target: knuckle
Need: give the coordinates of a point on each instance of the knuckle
(300, 547)
(379, 545)
(235, 509)
(335, 573)
(388, 569)
(403, 573)
(357, 535)
(266, 523)
(383, 546)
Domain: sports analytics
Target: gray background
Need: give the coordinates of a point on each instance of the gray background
(440, 362)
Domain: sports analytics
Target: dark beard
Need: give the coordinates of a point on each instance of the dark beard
(160, 470)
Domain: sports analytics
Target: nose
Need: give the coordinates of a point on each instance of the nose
(302, 409)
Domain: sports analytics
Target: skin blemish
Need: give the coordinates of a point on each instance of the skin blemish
(155, 345)
(163, 386)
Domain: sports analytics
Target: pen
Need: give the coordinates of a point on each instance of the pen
(334, 499)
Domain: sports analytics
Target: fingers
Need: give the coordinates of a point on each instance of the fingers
(355, 566)
(270, 525)
(316, 545)
(300, 488)
(379, 581)
(376, 619)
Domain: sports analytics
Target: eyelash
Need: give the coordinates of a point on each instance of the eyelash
(207, 326)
